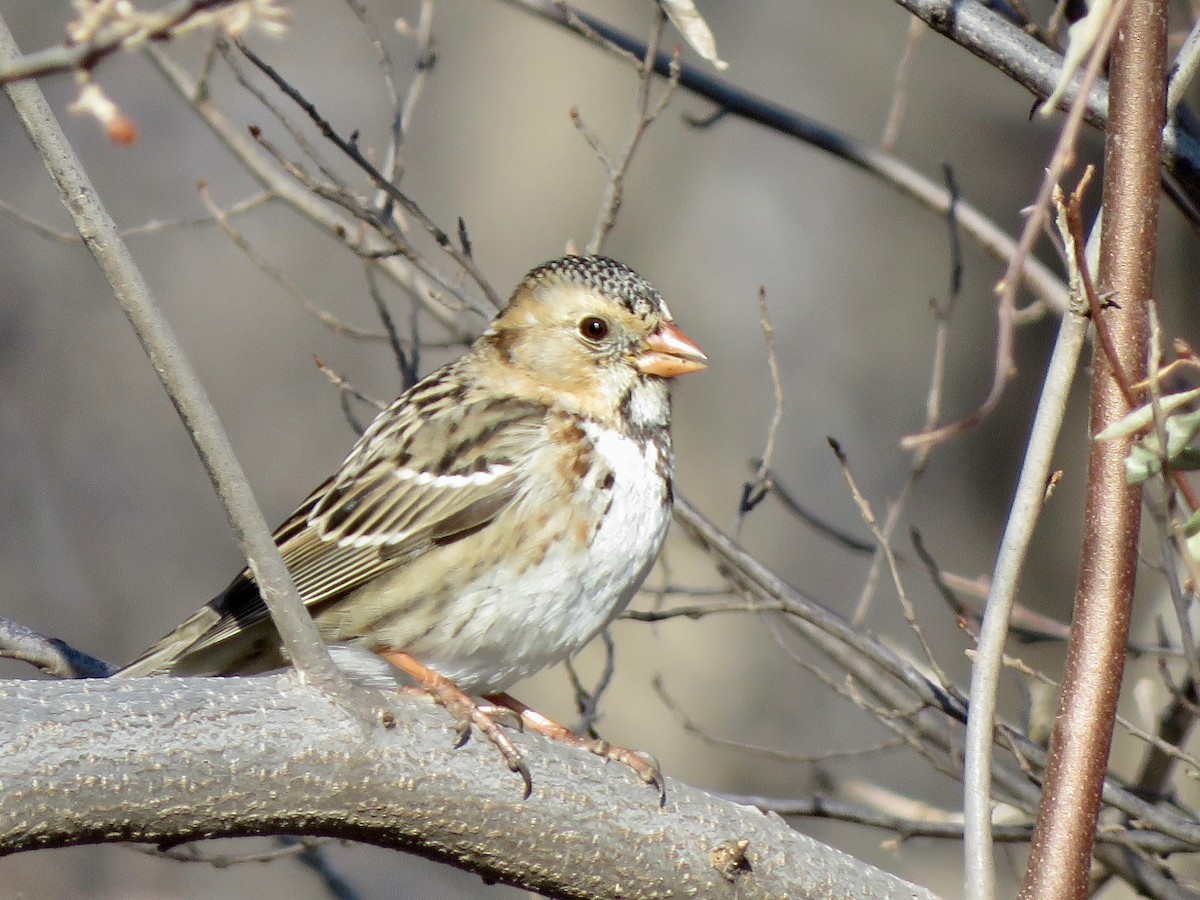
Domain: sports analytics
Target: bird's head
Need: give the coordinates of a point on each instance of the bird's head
(594, 336)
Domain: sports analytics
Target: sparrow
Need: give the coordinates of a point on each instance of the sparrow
(493, 519)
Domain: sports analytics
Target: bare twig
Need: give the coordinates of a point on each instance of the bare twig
(1046, 287)
(154, 226)
(285, 281)
(1183, 69)
(645, 114)
(426, 57)
(891, 129)
(106, 28)
(192, 853)
(295, 626)
(587, 700)
(406, 366)
(820, 806)
(700, 610)
(1064, 151)
(350, 149)
(225, 52)
(754, 490)
(692, 727)
(346, 388)
(1010, 559)
(978, 29)
(789, 502)
(868, 515)
(438, 296)
(50, 655)
(873, 667)
(942, 313)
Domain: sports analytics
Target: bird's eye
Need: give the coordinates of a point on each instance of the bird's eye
(593, 328)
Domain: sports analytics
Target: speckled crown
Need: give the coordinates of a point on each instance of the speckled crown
(606, 275)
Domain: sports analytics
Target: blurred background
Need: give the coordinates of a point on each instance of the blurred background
(111, 534)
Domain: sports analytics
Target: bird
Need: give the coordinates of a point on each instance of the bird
(491, 520)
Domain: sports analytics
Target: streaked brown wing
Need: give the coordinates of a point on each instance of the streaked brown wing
(403, 490)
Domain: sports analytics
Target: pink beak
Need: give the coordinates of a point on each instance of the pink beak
(670, 352)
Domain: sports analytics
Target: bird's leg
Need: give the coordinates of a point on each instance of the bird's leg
(463, 709)
(645, 765)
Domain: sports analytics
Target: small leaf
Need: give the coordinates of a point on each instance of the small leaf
(1145, 457)
(685, 17)
(1180, 431)
(1080, 38)
(1144, 415)
(1142, 464)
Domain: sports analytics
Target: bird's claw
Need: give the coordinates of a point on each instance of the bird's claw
(465, 712)
(644, 765)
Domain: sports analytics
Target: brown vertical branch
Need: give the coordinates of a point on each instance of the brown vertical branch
(1063, 838)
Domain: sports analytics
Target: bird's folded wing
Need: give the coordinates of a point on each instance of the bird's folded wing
(392, 501)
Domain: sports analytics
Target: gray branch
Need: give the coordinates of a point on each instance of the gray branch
(184, 759)
(1036, 67)
(103, 240)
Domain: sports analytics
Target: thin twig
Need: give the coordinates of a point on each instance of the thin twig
(689, 725)
(879, 669)
(426, 57)
(151, 227)
(700, 610)
(587, 700)
(293, 130)
(868, 515)
(442, 300)
(820, 806)
(1183, 69)
(191, 852)
(295, 626)
(120, 29)
(895, 117)
(933, 400)
(618, 165)
(285, 281)
(350, 149)
(827, 529)
(1010, 559)
(1064, 152)
(758, 487)
(405, 366)
(51, 655)
(1046, 287)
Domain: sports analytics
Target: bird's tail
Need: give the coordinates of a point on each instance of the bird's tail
(164, 656)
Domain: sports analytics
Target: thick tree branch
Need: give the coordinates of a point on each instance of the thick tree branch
(195, 758)
(1063, 837)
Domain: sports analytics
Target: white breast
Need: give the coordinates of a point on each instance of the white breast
(550, 611)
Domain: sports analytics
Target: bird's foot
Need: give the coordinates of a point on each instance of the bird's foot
(465, 712)
(643, 764)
